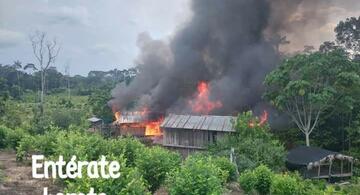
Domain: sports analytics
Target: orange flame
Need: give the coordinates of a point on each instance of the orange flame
(251, 124)
(153, 128)
(202, 103)
(117, 115)
(263, 120)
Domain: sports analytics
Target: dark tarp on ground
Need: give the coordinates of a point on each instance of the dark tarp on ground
(303, 155)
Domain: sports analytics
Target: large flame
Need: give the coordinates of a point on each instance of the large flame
(202, 104)
(153, 128)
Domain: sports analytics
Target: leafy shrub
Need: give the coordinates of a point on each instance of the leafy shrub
(260, 179)
(229, 172)
(40, 122)
(129, 182)
(263, 179)
(318, 184)
(13, 137)
(65, 117)
(285, 184)
(253, 145)
(46, 144)
(155, 163)
(330, 190)
(3, 136)
(130, 147)
(84, 146)
(225, 165)
(197, 176)
(353, 188)
(247, 181)
(25, 148)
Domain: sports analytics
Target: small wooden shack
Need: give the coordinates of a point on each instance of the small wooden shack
(96, 124)
(312, 162)
(130, 123)
(189, 133)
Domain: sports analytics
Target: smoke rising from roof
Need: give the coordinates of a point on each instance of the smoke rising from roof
(225, 44)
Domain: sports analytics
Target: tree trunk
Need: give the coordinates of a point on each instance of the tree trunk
(42, 92)
(42, 89)
(18, 77)
(307, 139)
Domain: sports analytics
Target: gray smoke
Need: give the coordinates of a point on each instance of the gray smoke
(224, 43)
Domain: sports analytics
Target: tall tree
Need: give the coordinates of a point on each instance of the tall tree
(309, 86)
(17, 66)
(45, 52)
(328, 46)
(30, 66)
(278, 40)
(348, 34)
(67, 74)
(98, 101)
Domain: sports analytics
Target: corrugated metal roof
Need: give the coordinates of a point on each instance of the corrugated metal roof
(131, 118)
(94, 119)
(203, 122)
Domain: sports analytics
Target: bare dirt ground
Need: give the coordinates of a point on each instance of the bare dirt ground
(18, 178)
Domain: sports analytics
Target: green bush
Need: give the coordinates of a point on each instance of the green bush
(155, 163)
(129, 182)
(13, 137)
(285, 184)
(263, 179)
(247, 181)
(196, 177)
(229, 172)
(253, 145)
(46, 144)
(225, 165)
(83, 145)
(3, 131)
(25, 148)
(260, 179)
(130, 147)
(65, 117)
(330, 190)
(353, 188)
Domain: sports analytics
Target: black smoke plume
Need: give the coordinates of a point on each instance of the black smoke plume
(225, 43)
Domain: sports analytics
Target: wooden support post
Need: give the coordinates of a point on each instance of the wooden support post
(319, 169)
(330, 167)
(342, 165)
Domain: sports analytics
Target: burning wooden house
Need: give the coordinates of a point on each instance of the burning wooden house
(189, 133)
(139, 124)
(312, 162)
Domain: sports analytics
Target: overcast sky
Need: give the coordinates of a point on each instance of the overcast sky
(101, 34)
(94, 35)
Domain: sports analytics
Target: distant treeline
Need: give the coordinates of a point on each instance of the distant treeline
(16, 79)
